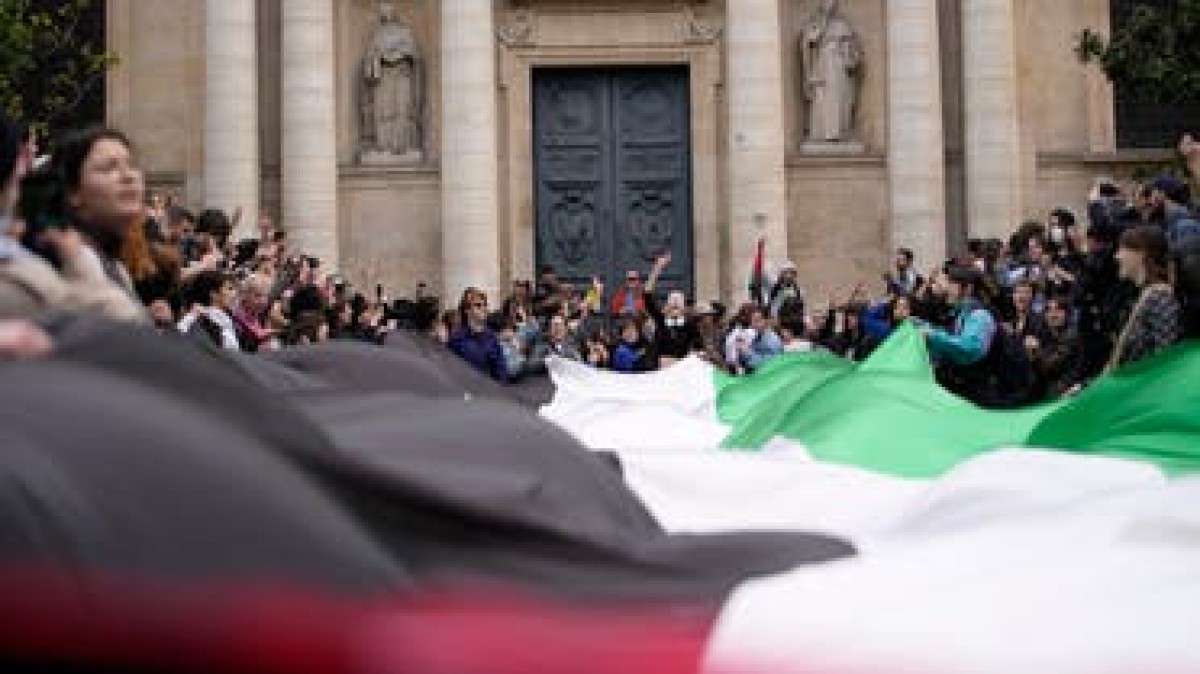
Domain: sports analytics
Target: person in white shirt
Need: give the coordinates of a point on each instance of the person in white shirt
(211, 296)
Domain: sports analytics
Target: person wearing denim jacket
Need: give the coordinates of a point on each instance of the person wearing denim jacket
(749, 347)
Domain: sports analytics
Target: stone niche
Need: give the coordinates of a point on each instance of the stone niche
(389, 207)
(838, 210)
(867, 18)
(358, 23)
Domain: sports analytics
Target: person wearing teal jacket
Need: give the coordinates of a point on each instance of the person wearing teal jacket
(974, 325)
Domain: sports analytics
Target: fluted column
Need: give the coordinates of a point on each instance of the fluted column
(309, 143)
(992, 142)
(470, 199)
(757, 142)
(916, 144)
(231, 149)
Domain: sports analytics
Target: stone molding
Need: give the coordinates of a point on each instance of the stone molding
(808, 161)
(1138, 156)
(691, 23)
(358, 172)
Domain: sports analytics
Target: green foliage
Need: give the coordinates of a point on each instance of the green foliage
(1155, 54)
(47, 63)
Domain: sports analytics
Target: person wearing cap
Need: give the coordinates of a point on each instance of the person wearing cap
(786, 291)
(29, 285)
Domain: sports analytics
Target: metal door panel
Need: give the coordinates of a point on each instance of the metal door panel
(653, 180)
(613, 172)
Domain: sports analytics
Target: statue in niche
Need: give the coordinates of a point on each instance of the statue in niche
(832, 63)
(391, 100)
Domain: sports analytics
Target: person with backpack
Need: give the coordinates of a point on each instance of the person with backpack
(966, 343)
(977, 358)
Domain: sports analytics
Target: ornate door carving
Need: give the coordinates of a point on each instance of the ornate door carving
(613, 172)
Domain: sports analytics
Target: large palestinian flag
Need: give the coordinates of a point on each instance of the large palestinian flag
(1061, 538)
(349, 508)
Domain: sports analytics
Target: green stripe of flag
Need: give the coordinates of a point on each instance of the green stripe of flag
(889, 415)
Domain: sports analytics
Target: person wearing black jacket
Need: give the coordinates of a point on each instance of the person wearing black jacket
(1055, 354)
(1104, 300)
(1187, 284)
(845, 335)
(676, 335)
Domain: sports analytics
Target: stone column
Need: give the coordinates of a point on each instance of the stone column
(916, 144)
(757, 141)
(470, 198)
(232, 172)
(309, 186)
(992, 128)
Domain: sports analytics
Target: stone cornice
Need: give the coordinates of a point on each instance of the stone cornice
(1133, 156)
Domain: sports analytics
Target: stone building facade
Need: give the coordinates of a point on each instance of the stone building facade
(596, 134)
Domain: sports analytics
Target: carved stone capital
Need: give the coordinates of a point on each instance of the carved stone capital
(700, 29)
(517, 29)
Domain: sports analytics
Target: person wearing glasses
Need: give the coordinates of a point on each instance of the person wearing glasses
(630, 298)
(474, 341)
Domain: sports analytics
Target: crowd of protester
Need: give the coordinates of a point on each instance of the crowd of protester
(1007, 322)
(80, 233)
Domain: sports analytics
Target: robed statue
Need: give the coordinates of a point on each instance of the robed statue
(392, 83)
(832, 60)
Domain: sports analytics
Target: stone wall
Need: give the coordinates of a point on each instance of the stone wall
(156, 92)
(838, 216)
(391, 228)
(839, 209)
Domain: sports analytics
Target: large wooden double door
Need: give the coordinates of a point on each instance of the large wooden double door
(612, 153)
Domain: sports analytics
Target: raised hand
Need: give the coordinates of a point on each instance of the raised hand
(66, 242)
(1189, 147)
(23, 340)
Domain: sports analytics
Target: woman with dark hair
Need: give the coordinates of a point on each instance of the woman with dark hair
(28, 283)
(1056, 354)
(845, 335)
(474, 341)
(1027, 320)
(1154, 321)
(104, 193)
